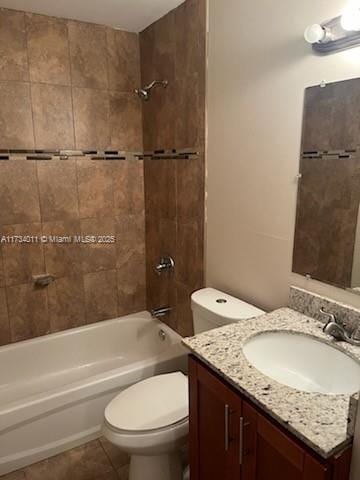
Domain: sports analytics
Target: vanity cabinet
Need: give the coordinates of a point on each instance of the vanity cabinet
(215, 411)
(231, 439)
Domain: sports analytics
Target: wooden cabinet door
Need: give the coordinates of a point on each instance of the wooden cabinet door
(248, 440)
(269, 454)
(341, 463)
(231, 440)
(215, 412)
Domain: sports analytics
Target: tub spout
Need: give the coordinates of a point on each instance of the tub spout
(160, 312)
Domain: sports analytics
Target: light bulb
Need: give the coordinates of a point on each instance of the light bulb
(350, 19)
(315, 33)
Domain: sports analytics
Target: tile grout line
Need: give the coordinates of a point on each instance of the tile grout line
(35, 143)
(81, 87)
(71, 83)
(82, 274)
(176, 242)
(108, 90)
(114, 217)
(30, 83)
(36, 164)
(6, 299)
(108, 457)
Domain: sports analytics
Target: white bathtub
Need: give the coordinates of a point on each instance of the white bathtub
(53, 389)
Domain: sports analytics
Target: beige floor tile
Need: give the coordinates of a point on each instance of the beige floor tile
(87, 462)
(117, 457)
(123, 472)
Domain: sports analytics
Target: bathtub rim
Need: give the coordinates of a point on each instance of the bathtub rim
(17, 412)
(143, 315)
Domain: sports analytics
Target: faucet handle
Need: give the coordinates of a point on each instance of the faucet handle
(332, 318)
(337, 329)
(166, 264)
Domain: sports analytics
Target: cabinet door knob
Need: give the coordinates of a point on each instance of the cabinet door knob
(243, 425)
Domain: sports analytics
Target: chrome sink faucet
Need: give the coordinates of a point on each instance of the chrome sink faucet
(336, 329)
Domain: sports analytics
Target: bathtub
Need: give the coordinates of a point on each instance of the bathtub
(53, 389)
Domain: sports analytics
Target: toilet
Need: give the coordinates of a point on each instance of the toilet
(149, 420)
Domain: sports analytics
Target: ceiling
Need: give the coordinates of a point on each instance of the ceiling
(130, 15)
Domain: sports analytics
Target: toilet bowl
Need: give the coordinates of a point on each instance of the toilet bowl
(149, 421)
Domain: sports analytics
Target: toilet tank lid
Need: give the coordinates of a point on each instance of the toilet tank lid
(223, 305)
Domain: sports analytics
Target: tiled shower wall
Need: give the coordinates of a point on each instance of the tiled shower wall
(93, 281)
(174, 49)
(66, 85)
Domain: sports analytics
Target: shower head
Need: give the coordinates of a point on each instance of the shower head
(144, 93)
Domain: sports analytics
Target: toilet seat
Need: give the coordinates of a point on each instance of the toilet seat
(150, 417)
(151, 442)
(156, 403)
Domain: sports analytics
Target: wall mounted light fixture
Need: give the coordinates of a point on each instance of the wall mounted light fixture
(340, 33)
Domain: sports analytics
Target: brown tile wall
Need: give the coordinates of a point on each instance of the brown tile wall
(66, 84)
(174, 49)
(93, 281)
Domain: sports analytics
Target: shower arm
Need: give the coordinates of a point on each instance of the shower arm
(144, 93)
(157, 83)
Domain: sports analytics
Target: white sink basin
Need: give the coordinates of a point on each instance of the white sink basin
(303, 362)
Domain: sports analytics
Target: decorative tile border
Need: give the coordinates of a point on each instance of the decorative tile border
(310, 303)
(174, 154)
(330, 154)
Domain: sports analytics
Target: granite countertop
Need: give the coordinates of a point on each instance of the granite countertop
(321, 421)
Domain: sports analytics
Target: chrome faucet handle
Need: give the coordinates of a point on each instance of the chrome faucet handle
(335, 328)
(166, 264)
(331, 316)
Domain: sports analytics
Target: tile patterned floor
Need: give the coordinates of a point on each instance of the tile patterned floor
(97, 460)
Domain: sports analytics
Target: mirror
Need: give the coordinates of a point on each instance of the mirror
(327, 232)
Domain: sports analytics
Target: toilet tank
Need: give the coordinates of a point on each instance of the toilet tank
(212, 308)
